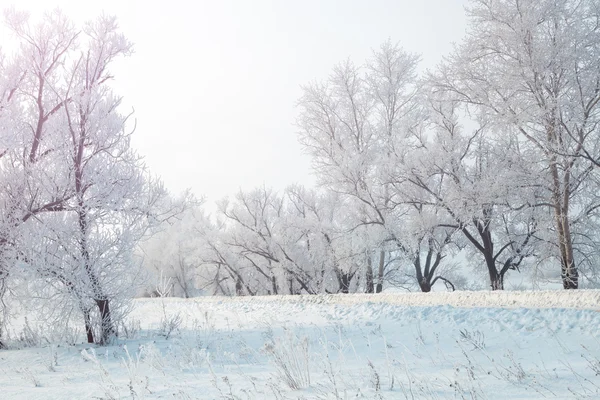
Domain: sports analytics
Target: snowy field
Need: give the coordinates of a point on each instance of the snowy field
(468, 345)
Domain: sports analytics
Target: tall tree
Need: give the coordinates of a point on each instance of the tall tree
(355, 125)
(29, 111)
(478, 183)
(533, 66)
(77, 196)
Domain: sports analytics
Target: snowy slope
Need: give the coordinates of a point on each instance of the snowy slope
(582, 299)
(526, 345)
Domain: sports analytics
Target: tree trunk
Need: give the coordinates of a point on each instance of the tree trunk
(487, 249)
(274, 284)
(369, 276)
(379, 287)
(291, 285)
(560, 197)
(568, 273)
(107, 329)
(239, 289)
(421, 279)
(3, 312)
(425, 286)
(345, 282)
(88, 326)
(106, 325)
(497, 281)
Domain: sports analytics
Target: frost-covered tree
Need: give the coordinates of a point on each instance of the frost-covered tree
(420, 181)
(337, 252)
(284, 244)
(254, 219)
(361, 126)
(479, 184)
(77, 196)
(174, 254)
(264, 242)
(28, 111)
(531, 68)
(356, 125)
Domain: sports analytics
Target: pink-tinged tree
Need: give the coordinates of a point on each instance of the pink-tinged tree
(29, 110)
(78, 197)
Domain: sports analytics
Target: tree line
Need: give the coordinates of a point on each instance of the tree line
(491, 160)
(492, 155)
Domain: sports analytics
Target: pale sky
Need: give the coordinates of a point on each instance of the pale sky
(214, 83)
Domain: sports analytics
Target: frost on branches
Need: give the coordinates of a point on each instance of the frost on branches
(494, 153)
(531, 69)
(459, 177)
(76, 197)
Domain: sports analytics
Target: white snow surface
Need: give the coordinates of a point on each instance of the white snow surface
(472, 345)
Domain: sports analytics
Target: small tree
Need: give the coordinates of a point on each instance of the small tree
(175, 253)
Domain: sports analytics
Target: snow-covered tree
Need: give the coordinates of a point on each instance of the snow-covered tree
(28, 113)
(350, 125)
(479, 186)
(77, 197)
(275, 242)
(335, 250)
(531, 68)
(174, 254)
(360, 126)
(263, 242)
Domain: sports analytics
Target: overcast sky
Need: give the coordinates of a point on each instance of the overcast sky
(214, 83)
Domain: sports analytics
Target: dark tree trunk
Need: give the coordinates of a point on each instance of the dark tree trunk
(291, 285)
(369, 276)
(345, 282)
(380, 272)
(496, 278)
(486, 248)
(239, 288)
(107, 329)
(88, 326)
(425, 286)
(569, 275)
(274, 285)
(497, 281)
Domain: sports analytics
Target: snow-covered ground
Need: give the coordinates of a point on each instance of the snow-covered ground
(472, 345)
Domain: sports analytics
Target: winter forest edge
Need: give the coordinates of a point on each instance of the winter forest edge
(457, 178)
